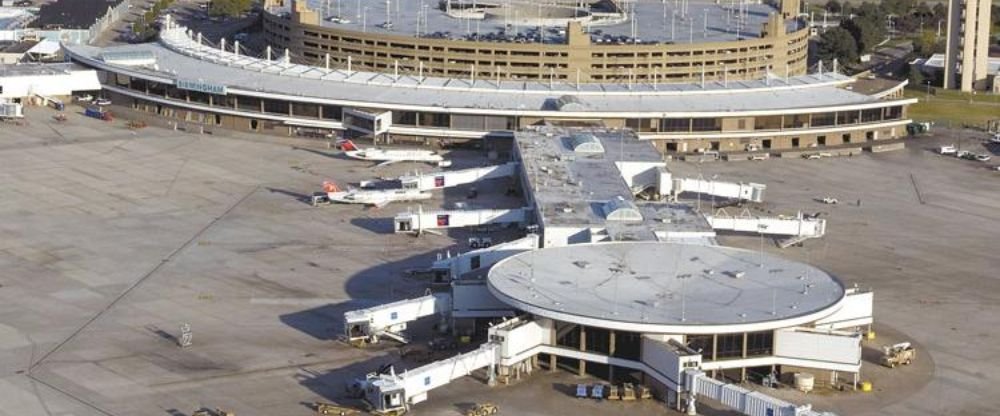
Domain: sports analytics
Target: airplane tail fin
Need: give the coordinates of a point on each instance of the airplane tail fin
(330, 186)
(347, 145)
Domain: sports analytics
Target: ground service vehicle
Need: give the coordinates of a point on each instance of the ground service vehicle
(483, 409)
(902, 353)
(332, 409)
(98, 114)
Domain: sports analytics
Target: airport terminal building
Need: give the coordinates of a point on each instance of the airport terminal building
(184, 79)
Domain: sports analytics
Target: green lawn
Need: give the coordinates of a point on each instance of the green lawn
(955, 107)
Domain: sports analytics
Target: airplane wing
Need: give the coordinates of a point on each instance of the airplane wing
(386, 163)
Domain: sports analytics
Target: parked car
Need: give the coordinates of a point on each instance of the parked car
(983, 157)
(995, 138)
(967, 155)
(102, 101)
(947, 150)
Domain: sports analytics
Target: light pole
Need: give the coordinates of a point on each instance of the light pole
(760, 232)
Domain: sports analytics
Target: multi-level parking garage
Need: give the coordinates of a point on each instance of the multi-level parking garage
(184, 79)
(589, 41)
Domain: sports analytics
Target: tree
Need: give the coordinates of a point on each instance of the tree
(837, 43)
(916, 77)
(870, 10)
(231, 8)
(833, 6)
(898, 7)
(940, 11)
(926, 44)
(867, 31)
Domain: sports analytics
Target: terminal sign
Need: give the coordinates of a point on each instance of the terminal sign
(201, 86)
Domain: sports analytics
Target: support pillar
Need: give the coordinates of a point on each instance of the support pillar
(582, 369)
(743, 370)
(715, 347)
(611, 353)
(492, 376)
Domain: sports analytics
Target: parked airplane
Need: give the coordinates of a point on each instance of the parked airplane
(374, 197)
(390, 156)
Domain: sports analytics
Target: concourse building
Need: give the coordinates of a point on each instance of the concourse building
(183, 79)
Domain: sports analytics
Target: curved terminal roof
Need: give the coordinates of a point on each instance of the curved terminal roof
(665, 288)
(178, 56)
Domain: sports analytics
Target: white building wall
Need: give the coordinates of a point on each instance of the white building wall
(474, 300)
(50, 85)
(829, 347)
(857, 311)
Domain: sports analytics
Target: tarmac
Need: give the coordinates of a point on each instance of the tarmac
(111, 239)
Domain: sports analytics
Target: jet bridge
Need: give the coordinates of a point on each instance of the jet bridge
(511, 350)
(420, 221)
(753, 192)
(642, 176)
(744, 401)
(389, 321)
(798, 228)
(447, 179)
(484, 258)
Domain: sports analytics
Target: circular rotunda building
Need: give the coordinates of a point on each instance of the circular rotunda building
(653, 306)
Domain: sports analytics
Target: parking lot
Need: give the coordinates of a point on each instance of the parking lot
(111, 239)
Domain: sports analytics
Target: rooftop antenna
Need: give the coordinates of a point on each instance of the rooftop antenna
(760, 231)
(635, 24)
(673, 20)
(774, 302)
(690, 32)
(704, 27)
(388, 14)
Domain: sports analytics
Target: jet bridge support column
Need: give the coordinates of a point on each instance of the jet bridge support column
(611, 353)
